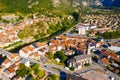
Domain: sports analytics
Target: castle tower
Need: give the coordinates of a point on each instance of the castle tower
(88, 50)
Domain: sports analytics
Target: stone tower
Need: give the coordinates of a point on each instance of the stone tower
(88, 50)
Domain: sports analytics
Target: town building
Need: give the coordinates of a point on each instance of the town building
(82, 28)
(26, 51)
(35, 56)
(77, 62)
(6, 63)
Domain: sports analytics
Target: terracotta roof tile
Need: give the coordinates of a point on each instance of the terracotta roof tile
(105, 61)
(11, 70)
(6, 61)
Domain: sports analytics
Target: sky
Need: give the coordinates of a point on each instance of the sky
(111, 2)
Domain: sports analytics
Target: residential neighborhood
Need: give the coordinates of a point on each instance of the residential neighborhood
(81, 50)
(59, 40)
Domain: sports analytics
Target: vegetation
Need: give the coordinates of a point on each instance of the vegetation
(58, 54)
(86, 64)
(18, 43)
(34, 72)
(50, 55)
(53, 77)
(61, 56)
(76, 16)
(33, 6)
(23, 70)
(37, 30)
(110, 35)
(71, 68)
(43, 29)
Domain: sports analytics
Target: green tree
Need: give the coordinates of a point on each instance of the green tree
(23, 70)
(60, 55)
(53, 77)
(50, 55)
(76, 16)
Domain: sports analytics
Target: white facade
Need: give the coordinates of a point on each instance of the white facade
(16, 58)
(6, 65)
(23, 54)
(92, 26)
(8, 74)
(80, 64)
(115, 48)
(59, 48)
(26, 62)
(34, 57)
(82, 30)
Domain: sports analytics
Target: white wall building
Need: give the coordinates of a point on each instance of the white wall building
(82, 28)
(115, 48)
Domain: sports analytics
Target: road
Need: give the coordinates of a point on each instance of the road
(4, 53)
(117, 40)
(49, 67)
(109, 72)
(69, 30)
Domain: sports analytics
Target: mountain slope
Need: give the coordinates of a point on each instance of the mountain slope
(43, 6)
(32, 6)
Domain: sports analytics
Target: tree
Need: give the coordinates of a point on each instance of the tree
(53, 77)
(76, 16)
(60, 55)
(110, 35)
(107, 35)
(50, 55)
(23, 70)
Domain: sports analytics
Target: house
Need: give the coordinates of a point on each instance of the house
(43, 50)
(38, 45)
(58, 60)
(1, 70)
(6, 63)
(115, 47)
(57, 43)
(63, 38)
(16, 65)
(70, 52)
(16, 77)
(35, 56)
(14, 57)
(104, 62)
(54, 42)
(52, 48)
(77, 62)
(26, 51)
(111, 55)
(59, 47)
(98, 44)
(10, 72)
(26, 62)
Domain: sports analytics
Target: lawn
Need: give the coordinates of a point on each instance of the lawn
(55, 62)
